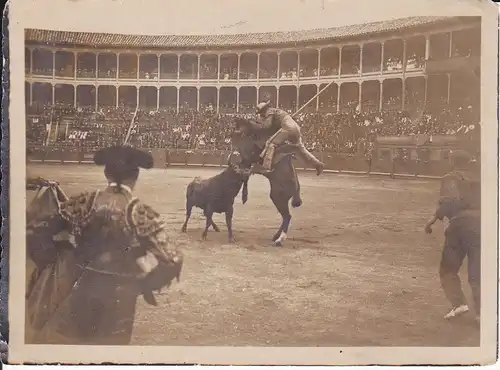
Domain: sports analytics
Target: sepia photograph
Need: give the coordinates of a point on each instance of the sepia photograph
(288, 182)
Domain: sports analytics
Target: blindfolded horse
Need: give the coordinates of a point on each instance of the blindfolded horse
(47, 262)
(250, 142)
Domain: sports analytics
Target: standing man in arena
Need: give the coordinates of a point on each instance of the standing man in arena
(462, 239)
(460, 202)
(120, 251)
(287, 129)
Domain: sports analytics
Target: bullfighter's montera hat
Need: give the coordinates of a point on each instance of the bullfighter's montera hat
(119, 160)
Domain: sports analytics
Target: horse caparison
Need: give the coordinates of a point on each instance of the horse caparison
(283, 178)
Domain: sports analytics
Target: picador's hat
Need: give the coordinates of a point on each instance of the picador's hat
(263, 106)
(123, 159)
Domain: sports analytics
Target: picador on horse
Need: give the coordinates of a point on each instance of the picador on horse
(265, 139)
(286, 130)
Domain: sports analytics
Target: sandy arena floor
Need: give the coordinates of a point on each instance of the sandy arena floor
(357, 269)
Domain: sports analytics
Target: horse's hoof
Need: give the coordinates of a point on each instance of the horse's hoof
(217, 230)
(277, 244)
(183, 230)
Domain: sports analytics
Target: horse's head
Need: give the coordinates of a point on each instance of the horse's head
(241, 127)
(246, 143)
(45, 202)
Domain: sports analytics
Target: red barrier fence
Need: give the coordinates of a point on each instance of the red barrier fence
(333, 161)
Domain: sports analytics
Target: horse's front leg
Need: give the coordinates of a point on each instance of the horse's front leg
(278, 233)
(280, 200)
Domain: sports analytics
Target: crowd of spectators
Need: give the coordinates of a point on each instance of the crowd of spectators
(107, 73)
(394, 64)
(66, 127)
(208, 130)
(86, 72)
(148, 75)
(208, 71)
(289, 75)
(229, 74)
(415, 61)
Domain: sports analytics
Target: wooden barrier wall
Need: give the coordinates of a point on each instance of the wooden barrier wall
(171, 157)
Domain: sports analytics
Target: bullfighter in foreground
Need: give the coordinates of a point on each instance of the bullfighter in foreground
(462, 239)
(287, 130)
(460, 203)
(108, 248)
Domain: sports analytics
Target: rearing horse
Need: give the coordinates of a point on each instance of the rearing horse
(249, 142)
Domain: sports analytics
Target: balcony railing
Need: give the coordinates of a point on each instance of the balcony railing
(184, 78)
(453, 64)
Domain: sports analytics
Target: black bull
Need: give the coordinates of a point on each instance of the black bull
(249, 141)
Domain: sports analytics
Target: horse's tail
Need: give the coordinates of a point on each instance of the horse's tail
(296, 199)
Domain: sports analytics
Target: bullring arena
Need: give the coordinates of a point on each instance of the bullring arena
(357, 268)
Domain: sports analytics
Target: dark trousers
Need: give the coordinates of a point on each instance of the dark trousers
(451, 261)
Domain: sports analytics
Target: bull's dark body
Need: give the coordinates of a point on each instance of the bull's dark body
(283, 179)
(214, 195)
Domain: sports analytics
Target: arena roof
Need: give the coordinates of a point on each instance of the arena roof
(230, 17)
(224, 40)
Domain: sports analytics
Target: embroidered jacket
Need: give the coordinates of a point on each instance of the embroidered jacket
(113, 233)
